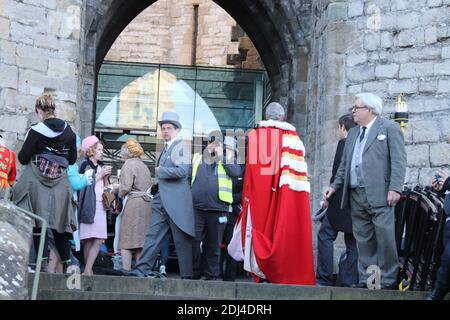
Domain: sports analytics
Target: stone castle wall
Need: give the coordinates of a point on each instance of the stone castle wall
(164, 33)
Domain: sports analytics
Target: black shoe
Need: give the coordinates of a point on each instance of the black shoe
(211, 278)
(195, 277)
(436, 295)
(359, 285)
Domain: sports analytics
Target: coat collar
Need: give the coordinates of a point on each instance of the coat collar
(373, 133)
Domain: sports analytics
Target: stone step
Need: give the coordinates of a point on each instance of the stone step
(201, 289)
(89, 295)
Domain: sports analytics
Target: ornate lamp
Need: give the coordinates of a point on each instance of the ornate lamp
(401, 113)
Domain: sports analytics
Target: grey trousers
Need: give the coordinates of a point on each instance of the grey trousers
(374, 230)
(159, 226)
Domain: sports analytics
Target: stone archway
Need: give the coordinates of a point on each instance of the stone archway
(273, 27)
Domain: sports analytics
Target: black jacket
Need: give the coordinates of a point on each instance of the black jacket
(53, 136)
(340, 219)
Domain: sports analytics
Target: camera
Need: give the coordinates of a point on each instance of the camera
(437, 177)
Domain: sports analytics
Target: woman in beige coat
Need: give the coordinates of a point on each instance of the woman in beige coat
(134, 189)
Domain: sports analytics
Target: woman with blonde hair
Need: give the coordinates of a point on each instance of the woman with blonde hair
(93, 230)
(134, 189)
(44, 188)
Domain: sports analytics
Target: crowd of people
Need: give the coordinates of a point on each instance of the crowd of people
(219, 212)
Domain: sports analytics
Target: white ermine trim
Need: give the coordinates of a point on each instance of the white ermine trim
(299, 166)
(293, 142)
(277, 124)
(294, 184)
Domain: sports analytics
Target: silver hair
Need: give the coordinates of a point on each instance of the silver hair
(275, 111)
(124, 151)
(371, 101)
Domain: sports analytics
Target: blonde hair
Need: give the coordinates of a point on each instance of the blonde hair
(46, 103)
(90, 152)
(134, 149)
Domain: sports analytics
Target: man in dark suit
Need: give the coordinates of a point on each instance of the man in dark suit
(336, 220)
(172, 209)
(441, 183)
(371, 173)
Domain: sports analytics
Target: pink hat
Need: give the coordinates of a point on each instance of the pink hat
(88, 142)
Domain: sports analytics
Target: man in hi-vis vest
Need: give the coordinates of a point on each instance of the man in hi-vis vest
(212, 195)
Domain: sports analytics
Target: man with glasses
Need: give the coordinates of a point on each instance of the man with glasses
(372, 172)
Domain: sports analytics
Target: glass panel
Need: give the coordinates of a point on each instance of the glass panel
(132, 96)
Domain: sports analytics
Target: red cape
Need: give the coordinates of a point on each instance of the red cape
(280, 216)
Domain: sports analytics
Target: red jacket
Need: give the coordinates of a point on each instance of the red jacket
(7, 167)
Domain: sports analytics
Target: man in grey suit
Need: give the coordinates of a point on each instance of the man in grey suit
(372, 172)
(172, 204)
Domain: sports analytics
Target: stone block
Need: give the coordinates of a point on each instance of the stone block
(425, 175)
(386, 71)
(354, 59)
(412, 176)
(386, 40)
(389, 21)
(418, 155)
(444, 86)
(8, 76)
(49, 4)
(26, 14)
(15, 238)
(439, 154)
(360, 74)
(30, 57)
(396, 87)
(62, 69)
(430, 35)
(14, 123)
(428, 86)
(372, 41)
(354, 89)
(4, 28)
(337, 11)
(434, 16)
(415, 70)
(446, 52)
(21, 33)
(434, 3)
(425, 131)
(355, 9)
(339, 38)
(407, 20)
(442, 69)
(7, 52)
(376, 87)
(410, 37)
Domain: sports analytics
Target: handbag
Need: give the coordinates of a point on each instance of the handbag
(87, 204)
(111, 202)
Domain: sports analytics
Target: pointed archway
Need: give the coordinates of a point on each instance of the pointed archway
(273, 27)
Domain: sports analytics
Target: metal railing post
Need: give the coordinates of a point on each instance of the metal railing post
(40, 252)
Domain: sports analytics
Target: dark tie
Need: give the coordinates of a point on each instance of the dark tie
(361, 136)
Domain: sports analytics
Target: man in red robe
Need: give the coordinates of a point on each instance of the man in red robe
(274, 228)
(7, 166)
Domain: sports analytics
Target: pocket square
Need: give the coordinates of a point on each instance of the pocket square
(381, 137)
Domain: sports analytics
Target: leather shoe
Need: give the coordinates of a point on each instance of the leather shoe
(212, 278)
(359, 286)
(436, 295)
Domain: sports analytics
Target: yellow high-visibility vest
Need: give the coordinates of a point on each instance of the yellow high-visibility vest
(225, 182)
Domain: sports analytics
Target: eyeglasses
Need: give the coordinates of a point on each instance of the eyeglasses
(356, 108)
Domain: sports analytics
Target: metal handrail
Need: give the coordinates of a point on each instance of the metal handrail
(40, 252)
